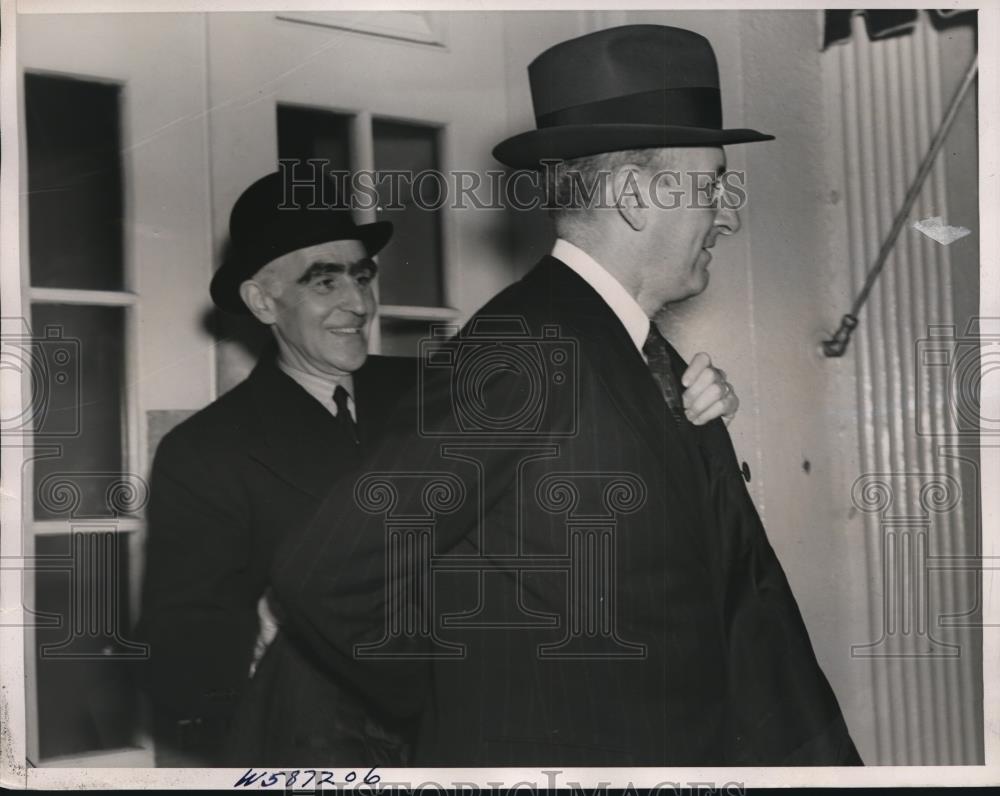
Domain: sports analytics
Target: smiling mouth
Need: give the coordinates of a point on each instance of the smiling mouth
(346, 330)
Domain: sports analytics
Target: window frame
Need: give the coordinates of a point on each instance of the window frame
(134, 454)
(446, 313)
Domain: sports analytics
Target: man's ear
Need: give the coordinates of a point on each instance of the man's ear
(259, 302)
(628, 198)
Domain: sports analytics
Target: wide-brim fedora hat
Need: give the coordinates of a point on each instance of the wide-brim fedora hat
(271, 219)
(630, 87)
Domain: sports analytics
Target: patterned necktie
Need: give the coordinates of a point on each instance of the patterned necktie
(655, 349)
(344, 419)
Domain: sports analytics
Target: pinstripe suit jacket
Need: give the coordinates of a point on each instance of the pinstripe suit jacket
(602, 591)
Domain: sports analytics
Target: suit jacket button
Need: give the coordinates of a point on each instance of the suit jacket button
(745, 469)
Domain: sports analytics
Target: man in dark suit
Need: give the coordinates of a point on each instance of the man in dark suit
(557, 566)
(231, 480)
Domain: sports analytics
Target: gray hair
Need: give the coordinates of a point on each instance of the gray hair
(583, 185)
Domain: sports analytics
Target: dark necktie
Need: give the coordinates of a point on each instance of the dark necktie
(344, 419)
(658, 355)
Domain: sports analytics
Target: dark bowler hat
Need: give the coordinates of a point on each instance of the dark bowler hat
(265, 224)
(632, 87)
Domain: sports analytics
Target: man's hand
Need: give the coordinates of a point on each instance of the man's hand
(707, 395)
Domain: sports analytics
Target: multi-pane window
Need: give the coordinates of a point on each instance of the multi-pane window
(84, 505)
(411, 282)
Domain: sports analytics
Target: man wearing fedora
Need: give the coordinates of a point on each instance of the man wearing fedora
(603, 591)
(228, 482)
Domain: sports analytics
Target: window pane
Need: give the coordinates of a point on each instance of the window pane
(309, 133)
(410, 267)
(79, 438)
(73, 136)
(87, 667)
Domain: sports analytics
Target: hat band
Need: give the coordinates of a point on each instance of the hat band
(699, 106)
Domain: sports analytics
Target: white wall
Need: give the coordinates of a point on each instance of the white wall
(807, 410)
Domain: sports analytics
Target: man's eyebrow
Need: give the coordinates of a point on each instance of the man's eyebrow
(322, 268)
(366, 264)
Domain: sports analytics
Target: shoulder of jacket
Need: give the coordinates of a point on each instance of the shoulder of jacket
(225, 421)
(529, 301)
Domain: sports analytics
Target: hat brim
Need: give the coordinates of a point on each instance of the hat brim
(564, 142)
(225, 286)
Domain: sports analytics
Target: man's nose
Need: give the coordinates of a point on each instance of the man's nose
(352, 298)
(727, 220)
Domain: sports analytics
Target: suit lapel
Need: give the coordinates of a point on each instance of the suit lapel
(299, 440)
(365, 393)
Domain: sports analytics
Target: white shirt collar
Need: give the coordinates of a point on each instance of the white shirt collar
(321, 387)
(621, 302)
